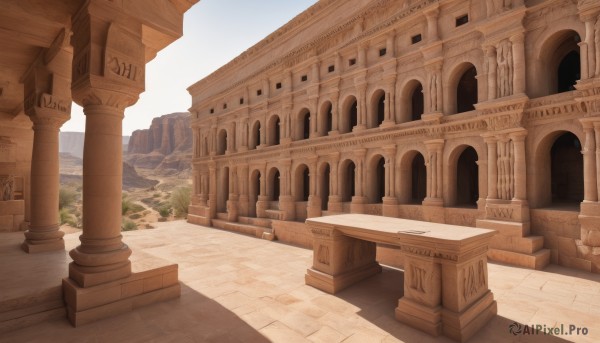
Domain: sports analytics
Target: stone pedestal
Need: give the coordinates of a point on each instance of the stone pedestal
(313, 208)
(335, 204)
(288, 206)
(390, 207)
(358, 204)
(262, 205)
(433, 210)
(232, 208)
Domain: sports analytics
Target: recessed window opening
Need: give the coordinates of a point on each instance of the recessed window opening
(416, 39)
(462, 20)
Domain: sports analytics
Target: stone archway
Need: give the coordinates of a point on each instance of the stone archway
(566, 171)
(302, 183)
(376, 174)
(348, 180)
(253, 192)
(349, 117)
(222, 142)
(467, 178)
(324, 185)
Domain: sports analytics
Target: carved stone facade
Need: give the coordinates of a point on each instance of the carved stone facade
(477, 113)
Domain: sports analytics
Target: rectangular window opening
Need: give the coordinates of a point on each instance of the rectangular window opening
(278, 85)
(304, 78)
(462, 20)
(212, 110)
(352, 62)
(382, 52)
(331, 68)
(224, 106)
(259, 92)
(416, 39)
(241, 101)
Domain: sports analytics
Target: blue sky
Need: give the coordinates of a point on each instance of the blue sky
(215, 32)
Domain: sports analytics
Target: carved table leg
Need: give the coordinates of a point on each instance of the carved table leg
(340, 261)
(468, 302)
(420, 307)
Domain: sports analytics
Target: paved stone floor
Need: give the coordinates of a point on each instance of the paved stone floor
(242, 289)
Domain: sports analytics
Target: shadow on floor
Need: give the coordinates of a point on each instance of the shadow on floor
(377, 298)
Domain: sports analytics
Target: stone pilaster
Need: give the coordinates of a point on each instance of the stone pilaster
(286, 201)
(434, 199)
(359, 199)
(518, 51)
(335, 200)
(589, 217)
(390, 201)
(490, 53)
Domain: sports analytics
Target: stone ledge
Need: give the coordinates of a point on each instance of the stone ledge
(85, 305)
(538, 260)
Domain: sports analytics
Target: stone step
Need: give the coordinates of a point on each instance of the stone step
(274, 214)
(257, 231)
(222, 215)
(537, 260)
(198, 210)
(264, 222)
(31, 309)
(504, 227)
(198, 220)
(526, 245)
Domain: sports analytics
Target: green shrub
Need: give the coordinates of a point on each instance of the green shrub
(128, 225)
(135, 208)
(180, 200)
(65, 216)
(156, 195)
(164, 211)
(135, 216)
(126, 204)
(66, 197)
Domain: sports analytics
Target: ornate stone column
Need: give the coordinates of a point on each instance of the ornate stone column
(335, 113)
(314, 201)
(286, 201)
(590, 177)
(48, 104)
(390, 202)
(492, 147)
(361, 88)
(491, 65)
(518, 50)
(335, 200)
(359, 200)
(243, 189)
(389, 119)
(520, 169)
(589, 216)
(434, 199)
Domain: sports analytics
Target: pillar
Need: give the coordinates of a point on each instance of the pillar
(492, 61)
(432, 24)
(434, 199)
(314, 201)
(520, 169)
(390, 202)
(492, 146)
(314, 105)
(588, 48)
(590, 177)
(389, 104)
(335, 200)
(47, 88)
(358, 201)
(361, 107)
(518, 48)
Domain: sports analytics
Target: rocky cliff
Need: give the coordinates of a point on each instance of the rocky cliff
(166, 146)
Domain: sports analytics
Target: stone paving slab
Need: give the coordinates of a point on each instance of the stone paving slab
(237, 288)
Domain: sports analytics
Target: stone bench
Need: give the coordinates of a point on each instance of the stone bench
(445, 268)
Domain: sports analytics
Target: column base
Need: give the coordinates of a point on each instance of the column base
(387, 123)
(89, 304)
(360, 127)
(335, 283)
(433, 210)
(428, 320)
(389, 208)
(47, 239)
(31, 248)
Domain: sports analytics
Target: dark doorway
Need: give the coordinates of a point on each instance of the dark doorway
(566, 170)
(467, 179)
(569, 71)
(419, 179)
(466, 91)
(417, 103)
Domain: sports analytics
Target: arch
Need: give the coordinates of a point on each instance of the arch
(413, 178)
(303, 124)
(253, 191)
(349, 117)
(255, 135)
(559, 61)
(465, 86)
(325, 118)
(223, 190)
(560, 173)
(412, 101)
(324, 185)
(301, 183)
(376, 177)
(273, 184)
(222, 142)
(347, 178)
(466, 177)
(274, 130)
(377, 109)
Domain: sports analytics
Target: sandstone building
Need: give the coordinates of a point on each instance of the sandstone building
(92, 52)
(477, 113)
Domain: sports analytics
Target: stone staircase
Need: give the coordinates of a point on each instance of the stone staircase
(32, 309)
(198, 215)
(513, 245)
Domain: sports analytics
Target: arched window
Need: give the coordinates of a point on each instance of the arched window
(254, 192)
(275, 186)
(348, 181)
(302, 183)
(324, 186)
(467, 178)
(274, 130)
(326, 119)
(569, 71)
(418, 179)
(349, 117)
(566, 170)
(377, 171)
(255, 137)
(303, 125)
(466, 91)
(417, 102)
(222, 142)
(377, 115)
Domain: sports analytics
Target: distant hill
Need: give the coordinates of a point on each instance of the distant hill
(166, 146)
(72, 143)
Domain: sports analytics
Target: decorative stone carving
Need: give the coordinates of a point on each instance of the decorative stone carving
(505, 68)
(6, 187)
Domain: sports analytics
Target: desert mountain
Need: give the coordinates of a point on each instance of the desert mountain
(165, 147)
